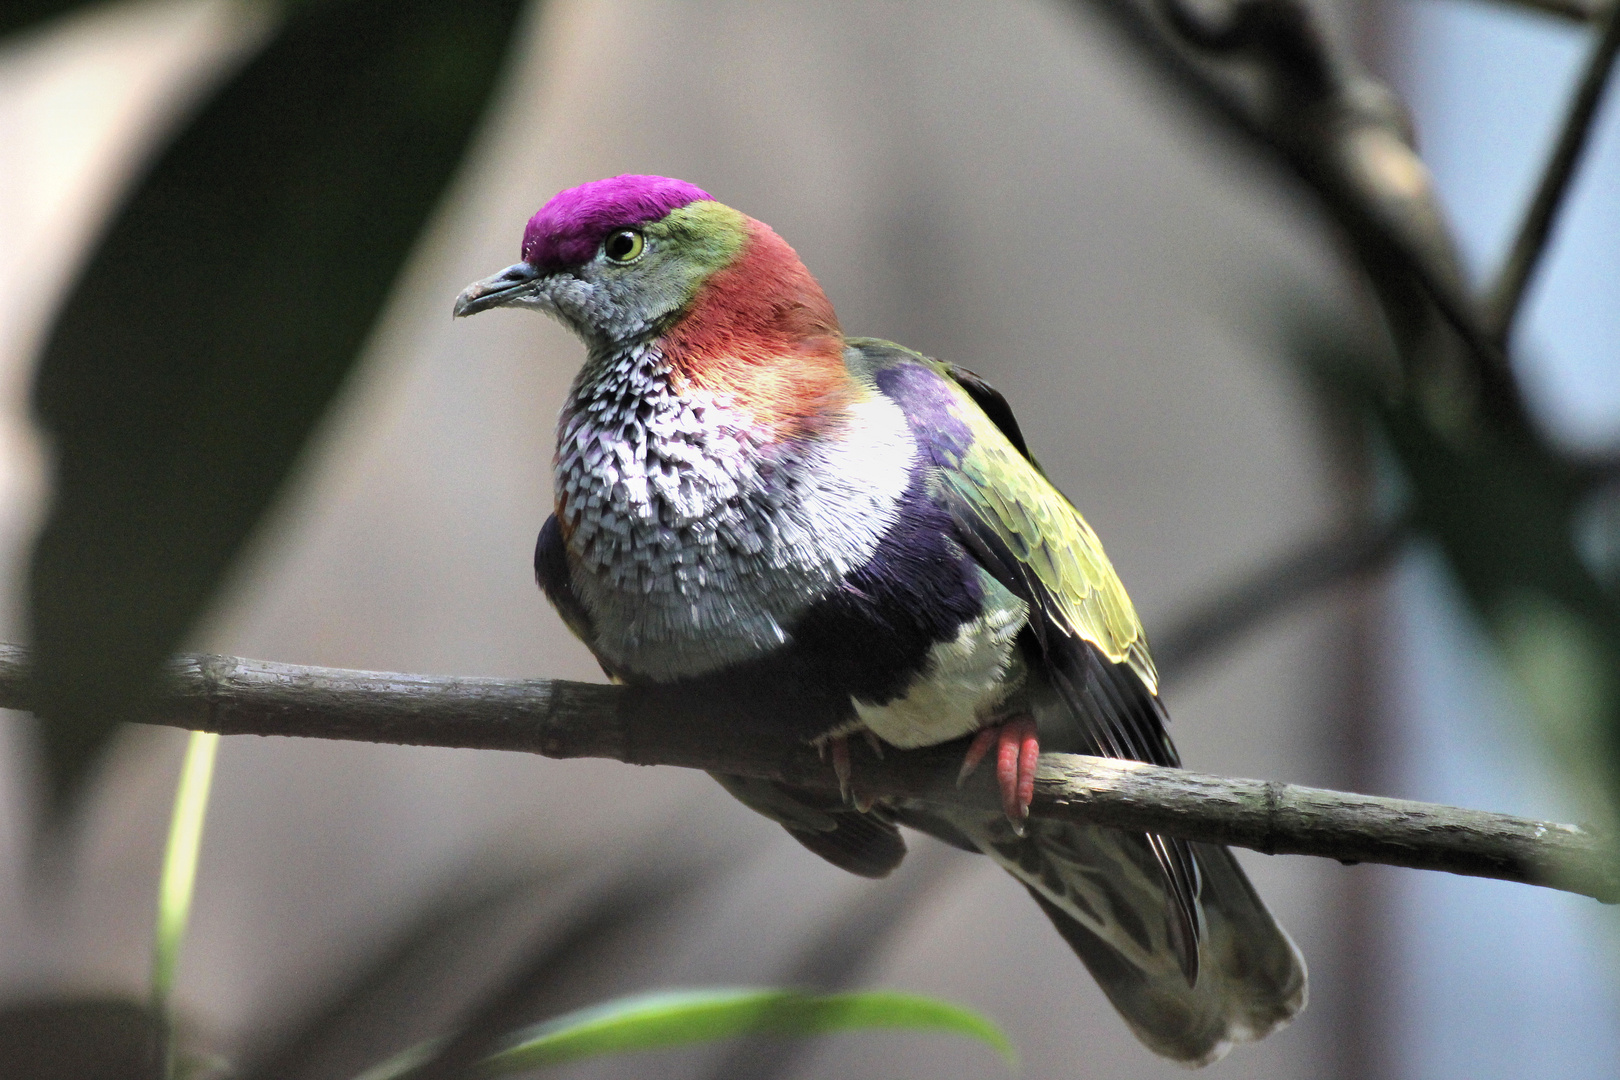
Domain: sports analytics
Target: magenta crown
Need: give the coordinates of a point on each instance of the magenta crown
(567, 229)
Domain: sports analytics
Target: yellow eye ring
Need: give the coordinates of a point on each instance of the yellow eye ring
(624, 246)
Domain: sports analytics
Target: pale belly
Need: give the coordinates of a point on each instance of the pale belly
(966, 683)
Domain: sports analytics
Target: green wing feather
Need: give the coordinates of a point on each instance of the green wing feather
(1088, 645)
(1012, 498)
(1036, 535)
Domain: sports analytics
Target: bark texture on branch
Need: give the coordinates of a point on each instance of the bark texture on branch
(566, 719)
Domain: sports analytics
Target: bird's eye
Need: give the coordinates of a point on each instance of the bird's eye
(624, 246)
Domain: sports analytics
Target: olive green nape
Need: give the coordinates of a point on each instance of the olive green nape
(706, 235)
(1044, 531)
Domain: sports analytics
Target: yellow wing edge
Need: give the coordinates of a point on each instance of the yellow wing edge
(1042, 528)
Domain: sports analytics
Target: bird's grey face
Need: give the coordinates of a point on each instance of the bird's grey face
(619, 287)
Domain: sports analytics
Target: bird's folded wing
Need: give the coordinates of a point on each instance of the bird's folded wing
(1012, 502)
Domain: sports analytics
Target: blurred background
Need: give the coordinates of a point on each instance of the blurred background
(1000, 184)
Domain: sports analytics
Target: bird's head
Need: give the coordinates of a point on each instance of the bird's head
(726, 302)
(631, 257)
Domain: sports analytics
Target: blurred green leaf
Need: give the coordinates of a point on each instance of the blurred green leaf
(680, 1017)
(86, 1039)
(177, 883)
(217, 318)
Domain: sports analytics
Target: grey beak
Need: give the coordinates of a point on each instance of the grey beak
(498, 289)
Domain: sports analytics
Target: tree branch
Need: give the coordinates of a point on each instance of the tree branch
(565, 720)
(1507, 295)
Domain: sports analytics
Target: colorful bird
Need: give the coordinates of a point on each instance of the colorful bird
(746, 497)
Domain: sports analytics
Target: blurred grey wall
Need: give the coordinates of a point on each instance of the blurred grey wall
(993, 183)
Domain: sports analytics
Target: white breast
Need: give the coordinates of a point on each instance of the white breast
(693, 542)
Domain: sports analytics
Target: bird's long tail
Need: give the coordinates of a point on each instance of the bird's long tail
(1105, 892)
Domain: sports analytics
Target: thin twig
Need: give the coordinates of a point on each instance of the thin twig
(1247, 604)
(1507, 295)
(565, 719)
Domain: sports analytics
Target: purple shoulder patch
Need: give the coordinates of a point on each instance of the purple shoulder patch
(567, 229)
(929, 406)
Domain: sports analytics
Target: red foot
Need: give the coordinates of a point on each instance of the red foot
(1018, 750)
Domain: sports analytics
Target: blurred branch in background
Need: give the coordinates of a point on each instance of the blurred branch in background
(1581, 11)
(1507, 294)
(1505, 505)
(544, 966)
(675, 726)
(1223, 620)
(491, 1037)
(497, 1034)
(1267, 69)
(460, 911)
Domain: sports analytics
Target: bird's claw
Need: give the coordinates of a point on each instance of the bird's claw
(837, 748)
(983, 739)
(1018, 753)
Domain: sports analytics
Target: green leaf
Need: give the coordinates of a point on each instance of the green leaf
(177, 884)
(215, 321)
(680, 1017)
(677, 1018)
